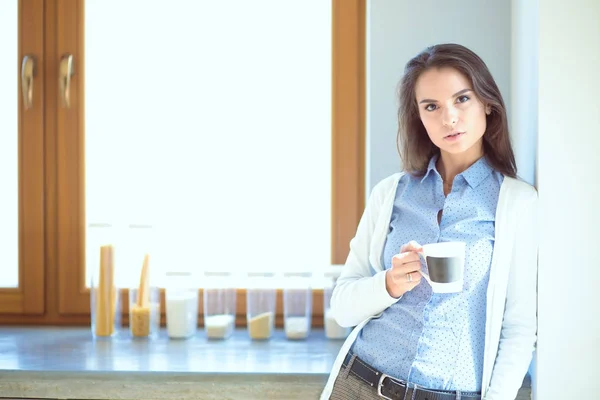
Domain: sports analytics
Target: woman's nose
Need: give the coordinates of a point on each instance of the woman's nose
(450, 117)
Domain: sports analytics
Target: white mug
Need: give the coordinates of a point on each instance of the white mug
(445, 263)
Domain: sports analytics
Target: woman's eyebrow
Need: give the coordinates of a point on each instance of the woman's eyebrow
(454, 95)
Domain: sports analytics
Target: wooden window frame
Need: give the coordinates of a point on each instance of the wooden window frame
(67, 296)
(29, 297)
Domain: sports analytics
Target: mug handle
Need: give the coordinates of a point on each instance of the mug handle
(423, 273)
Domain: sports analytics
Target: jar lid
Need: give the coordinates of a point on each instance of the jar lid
(178, 274)
(217, 274)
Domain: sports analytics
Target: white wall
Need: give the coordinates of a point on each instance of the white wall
(568, 356)
(397, 31)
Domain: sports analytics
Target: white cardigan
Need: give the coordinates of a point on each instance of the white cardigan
(511, 323)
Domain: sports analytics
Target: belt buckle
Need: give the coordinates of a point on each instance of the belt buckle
(380, 385)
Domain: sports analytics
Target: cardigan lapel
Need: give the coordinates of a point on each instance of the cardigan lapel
(382, 227)
(499, 270)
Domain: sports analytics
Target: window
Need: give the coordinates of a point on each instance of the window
(208, 141)
(150, 122)
(9, 142)
(22, 159)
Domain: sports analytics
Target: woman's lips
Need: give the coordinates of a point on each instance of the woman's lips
(454, 136)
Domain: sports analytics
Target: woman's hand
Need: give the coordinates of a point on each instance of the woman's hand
(405, 272)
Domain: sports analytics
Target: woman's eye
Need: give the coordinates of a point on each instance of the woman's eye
(463, 99)
(430, 107)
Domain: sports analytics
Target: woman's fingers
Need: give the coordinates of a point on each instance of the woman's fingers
(407, 268)
(405, 258)
(411, 277)
(404, 275)
(411, 246)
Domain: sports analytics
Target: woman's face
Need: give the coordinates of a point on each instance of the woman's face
(451, 113)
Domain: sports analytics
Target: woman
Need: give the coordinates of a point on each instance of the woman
(459, 184)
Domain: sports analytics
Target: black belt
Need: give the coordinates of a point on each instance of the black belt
(390, 388)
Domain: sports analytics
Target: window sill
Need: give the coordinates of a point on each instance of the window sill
(68, 363)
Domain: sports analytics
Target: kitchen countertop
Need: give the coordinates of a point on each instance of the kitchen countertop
(67, 363)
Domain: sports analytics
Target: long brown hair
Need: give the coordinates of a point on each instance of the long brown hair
(414, 145)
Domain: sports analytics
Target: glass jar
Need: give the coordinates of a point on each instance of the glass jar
(144, 312)
(261, 296)
(332, 329)
(297, 305)
(219, 305)
(144, 298)
(181, 298)
(105, 307)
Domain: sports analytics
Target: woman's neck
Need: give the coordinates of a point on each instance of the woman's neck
(449, 165)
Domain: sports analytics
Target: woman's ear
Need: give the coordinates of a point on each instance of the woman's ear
(488, 109)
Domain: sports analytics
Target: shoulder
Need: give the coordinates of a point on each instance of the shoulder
(517, 191)
(386, 185)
